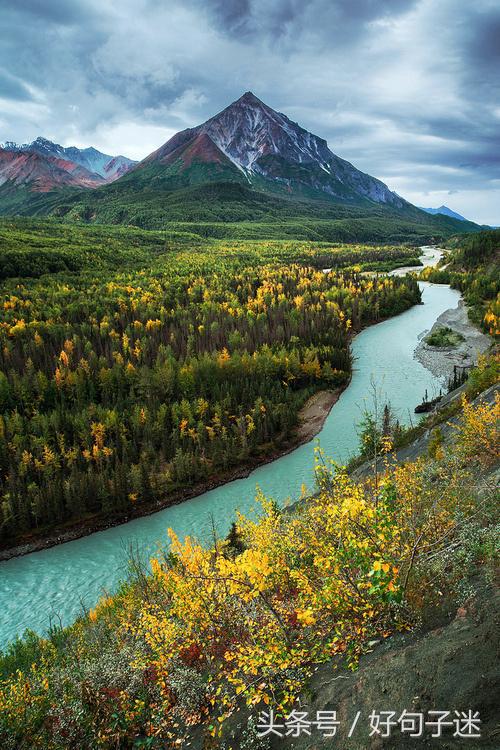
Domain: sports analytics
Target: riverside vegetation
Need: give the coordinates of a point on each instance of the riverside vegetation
(245, 620)
(444, 336)
(135, 364)
(471, 266)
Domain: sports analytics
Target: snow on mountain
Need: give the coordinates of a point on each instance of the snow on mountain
(248, 129)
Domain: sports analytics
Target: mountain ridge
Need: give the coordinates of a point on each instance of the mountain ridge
(248, 171)
(43, 173)
(108, 167)
(444, 211)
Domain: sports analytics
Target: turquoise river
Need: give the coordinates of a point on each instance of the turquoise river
(58, 583)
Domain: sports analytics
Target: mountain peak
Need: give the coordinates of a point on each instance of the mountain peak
(264, 147)
(445, 211)
(45, 141)
(249, 98)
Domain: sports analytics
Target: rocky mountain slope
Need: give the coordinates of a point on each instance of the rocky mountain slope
(43, 173)
(263, 148)
(94, 161)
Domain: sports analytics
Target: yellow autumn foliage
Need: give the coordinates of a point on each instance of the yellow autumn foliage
(251, 619)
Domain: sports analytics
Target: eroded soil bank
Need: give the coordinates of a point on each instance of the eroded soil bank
(313, 414)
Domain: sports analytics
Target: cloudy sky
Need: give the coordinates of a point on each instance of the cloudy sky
(408, 90)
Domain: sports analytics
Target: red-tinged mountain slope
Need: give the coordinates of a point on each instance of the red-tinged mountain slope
(94, 161)
(264, 149)
(196, 147)
(43, 173)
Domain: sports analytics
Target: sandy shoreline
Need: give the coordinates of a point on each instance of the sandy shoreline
(313, 414)
(312, 417)
(441, 360)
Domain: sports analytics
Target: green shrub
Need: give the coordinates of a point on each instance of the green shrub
(445, 337)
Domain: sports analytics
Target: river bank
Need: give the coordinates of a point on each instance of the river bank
(52, 585)
(442, 360)
(311, 418)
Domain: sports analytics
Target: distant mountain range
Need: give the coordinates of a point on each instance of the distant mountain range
(445, 211)
(249, 163)
(43, 166)
(43, 173)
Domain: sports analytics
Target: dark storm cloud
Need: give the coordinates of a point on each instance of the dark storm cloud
(342, 17)
(407, 90)
(483, 47)
(232, 15)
